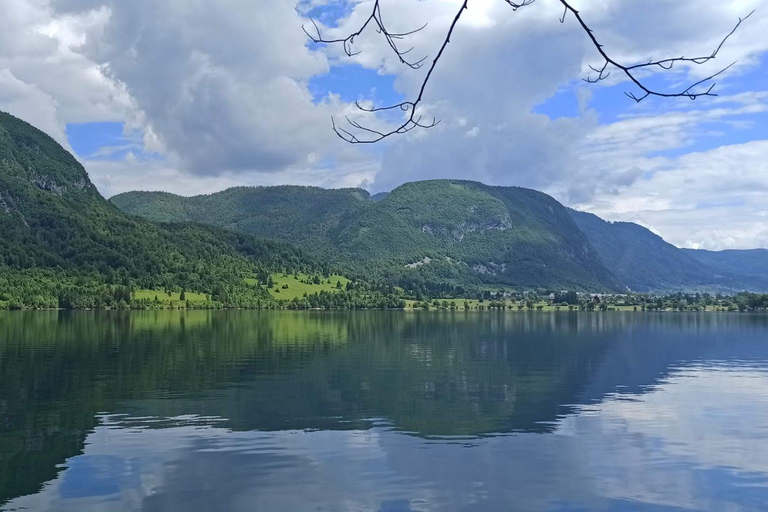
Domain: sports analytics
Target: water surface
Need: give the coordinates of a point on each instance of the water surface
(383, 411)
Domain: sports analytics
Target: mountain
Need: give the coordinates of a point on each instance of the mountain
(304, 215)
(457, 233)
(433, 234)
(751, 264)
(644, 262)
(63, 244)
(505, 235)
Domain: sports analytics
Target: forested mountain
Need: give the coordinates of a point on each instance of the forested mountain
(445, 233)
(643, 261)
(63, 244)
(751, 264)
(305, 215)
(421, 235)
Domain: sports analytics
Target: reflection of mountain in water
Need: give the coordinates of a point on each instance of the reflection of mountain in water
(429, 374)
(650, 347)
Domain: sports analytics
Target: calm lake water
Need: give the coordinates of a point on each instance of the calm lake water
(383, 411)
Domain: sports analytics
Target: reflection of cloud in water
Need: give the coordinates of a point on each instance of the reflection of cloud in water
(689, 443)
(685, 445)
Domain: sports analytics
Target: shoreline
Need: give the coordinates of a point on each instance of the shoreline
(402, 310)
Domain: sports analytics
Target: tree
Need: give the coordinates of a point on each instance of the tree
(183, 295)
(356, 133)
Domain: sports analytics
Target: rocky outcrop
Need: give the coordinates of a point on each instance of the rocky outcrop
(490, 268)
(459, 232)
(49, 185)
(4, 206)
(426, 261)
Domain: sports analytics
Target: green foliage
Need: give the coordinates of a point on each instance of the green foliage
(751, 265)
(433, 238)
(64, 246)
(297, 285)
(644, 262)
(356, 299)
(306, 215)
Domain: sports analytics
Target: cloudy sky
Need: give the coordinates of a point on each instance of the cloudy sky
(195, 97)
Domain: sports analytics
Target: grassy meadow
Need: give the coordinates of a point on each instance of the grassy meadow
(299, 284)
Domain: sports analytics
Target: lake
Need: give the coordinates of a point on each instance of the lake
(383, 411)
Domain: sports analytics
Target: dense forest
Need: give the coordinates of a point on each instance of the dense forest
(65, 246)
(431, 237)
(453, 238)
(644, 262)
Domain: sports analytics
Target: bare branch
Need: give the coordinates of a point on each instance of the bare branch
(367, 135)
(519, 5)
(692, 91)
(376, 20)
(412, 120)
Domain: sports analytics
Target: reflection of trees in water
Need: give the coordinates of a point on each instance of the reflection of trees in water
(433, 374)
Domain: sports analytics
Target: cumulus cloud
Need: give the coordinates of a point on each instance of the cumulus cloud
(213, 88)
(713, 199)
(42, 80)
(223, 85)
(500, 67)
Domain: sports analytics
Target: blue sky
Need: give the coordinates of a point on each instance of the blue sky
(100, 140)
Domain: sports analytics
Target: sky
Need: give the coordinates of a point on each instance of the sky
(196, 97)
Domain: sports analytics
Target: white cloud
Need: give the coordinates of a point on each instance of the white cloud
(712, 199)
(222, 85)
(215, 88)
(62, 86)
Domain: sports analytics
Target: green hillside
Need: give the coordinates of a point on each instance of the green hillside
(472, 232)
(644, 262)
(422, 235)
(62, 244)
(307, 215)
(750, 264)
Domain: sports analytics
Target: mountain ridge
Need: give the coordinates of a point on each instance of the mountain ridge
(470, 233)
(62, 239)
(423, 225)
(646, 262)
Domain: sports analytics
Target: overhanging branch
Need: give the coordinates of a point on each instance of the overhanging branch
(357, 133)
